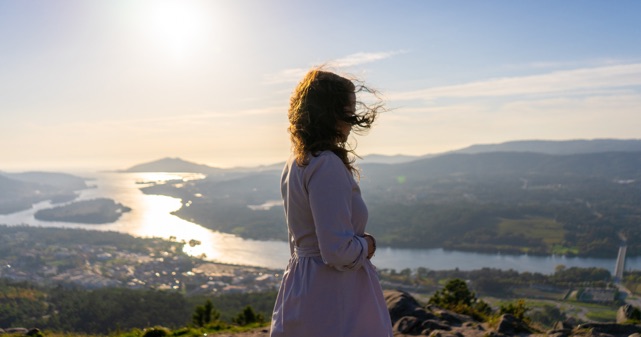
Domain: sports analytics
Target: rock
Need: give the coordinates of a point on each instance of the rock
(401, 304)
(510, 325)
(611, 328)
(34, 332)
(559, 333)
(407, 325)
(563, 325)
(627, 313)
(431, 325)
(453, 318)
(16, 330)
(441, 333)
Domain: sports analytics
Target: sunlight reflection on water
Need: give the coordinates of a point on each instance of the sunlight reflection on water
(150, 216)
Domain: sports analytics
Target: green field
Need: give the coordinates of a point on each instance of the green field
(549, 231)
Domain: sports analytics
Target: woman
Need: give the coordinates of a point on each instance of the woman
(330, 288)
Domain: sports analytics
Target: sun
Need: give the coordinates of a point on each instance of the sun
(178, 28)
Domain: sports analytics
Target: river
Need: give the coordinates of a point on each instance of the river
(150, 217)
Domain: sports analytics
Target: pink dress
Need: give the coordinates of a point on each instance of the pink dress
(330, 288)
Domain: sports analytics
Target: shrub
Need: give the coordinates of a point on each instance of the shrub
(157, 331)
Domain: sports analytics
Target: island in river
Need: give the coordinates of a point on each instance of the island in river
(95, 211)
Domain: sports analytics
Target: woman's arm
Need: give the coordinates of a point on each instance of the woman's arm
(329, 188)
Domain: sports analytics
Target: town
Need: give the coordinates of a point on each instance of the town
(162, 266)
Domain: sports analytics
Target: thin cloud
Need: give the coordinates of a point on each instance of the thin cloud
(363, 58)
(294, 74)
(286, 76)
(566, 81)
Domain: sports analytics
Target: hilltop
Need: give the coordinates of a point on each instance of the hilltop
(173, 165)
(554, 147)
(558, 146)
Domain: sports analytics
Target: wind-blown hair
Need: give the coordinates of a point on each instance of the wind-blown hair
(316, 107)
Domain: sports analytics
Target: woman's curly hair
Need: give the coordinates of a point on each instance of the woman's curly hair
(316, 107)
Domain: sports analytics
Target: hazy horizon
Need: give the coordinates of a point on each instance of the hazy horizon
(108, 85)
(250, 164)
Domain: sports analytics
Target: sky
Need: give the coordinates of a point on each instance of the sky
(87, 84)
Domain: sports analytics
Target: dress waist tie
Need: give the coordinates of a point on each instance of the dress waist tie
(306, 251)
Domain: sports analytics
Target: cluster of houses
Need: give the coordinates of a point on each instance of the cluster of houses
(106, 266)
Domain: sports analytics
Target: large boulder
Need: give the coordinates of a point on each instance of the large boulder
(401, 304)
(409, 318)
(627, 313)
(510, 325)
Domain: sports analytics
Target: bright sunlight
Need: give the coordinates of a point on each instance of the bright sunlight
(179, 28)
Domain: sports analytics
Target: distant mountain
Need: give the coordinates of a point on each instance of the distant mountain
(55, 179)
(558, 147)
(554, 147)
(19, 191)
(11, 187)
(386, 159)
(537, 146)
(261, 168)
(173, 165)
(614, 165)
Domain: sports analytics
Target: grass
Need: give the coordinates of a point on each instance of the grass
(549, 231)
(533, 293)
(213, 330)
(602, 316)
(545, 229)
(562, 250)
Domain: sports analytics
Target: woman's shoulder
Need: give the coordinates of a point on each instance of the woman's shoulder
(325, 158)
(322, 160)
(326, 163)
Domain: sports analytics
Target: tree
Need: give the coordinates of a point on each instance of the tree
(211, 314)
(454, 293)
(548, 315)
(517, 310)
(206, 314)
(457, 297)
(199, 316)
(248, 316)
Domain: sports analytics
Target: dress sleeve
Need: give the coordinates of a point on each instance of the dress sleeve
(329, 188)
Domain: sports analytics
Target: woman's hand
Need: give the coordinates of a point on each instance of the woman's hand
(371, 245)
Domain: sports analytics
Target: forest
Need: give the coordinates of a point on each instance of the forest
(109, 310)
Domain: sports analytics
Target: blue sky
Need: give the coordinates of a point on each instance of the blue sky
(109, 84)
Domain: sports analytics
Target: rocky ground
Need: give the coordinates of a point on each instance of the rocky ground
(409, 318)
